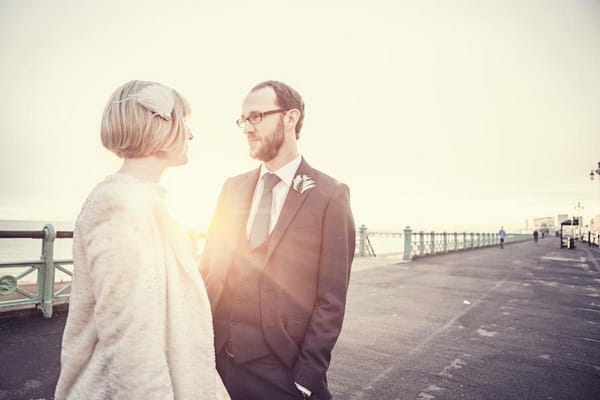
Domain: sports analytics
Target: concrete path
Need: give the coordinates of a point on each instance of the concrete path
(519, 323)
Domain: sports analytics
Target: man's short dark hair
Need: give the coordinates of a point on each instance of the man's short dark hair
(286, 98)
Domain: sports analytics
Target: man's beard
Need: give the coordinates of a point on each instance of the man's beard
(270, 146)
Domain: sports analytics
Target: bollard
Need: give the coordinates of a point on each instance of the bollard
(407, 244)
(47, 276)
(362, 240)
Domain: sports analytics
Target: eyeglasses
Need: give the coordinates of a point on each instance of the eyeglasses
(256, 117)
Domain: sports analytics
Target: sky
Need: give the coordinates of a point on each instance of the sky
(439, 115)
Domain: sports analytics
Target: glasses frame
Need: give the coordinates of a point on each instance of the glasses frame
(241, 122)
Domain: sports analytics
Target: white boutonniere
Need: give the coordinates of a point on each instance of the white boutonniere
(302, 183)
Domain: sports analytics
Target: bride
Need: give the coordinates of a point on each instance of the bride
(139, 323)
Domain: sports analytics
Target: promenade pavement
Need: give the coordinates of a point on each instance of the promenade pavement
(519, 323)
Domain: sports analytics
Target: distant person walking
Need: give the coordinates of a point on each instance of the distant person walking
(535, 235)
(502, 236)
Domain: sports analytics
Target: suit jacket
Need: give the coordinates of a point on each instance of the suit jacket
(306, 270)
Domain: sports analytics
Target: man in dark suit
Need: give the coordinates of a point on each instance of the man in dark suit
(277, 260)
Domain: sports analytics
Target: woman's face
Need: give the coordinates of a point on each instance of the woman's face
(179, 156)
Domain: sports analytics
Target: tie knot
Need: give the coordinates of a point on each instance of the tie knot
(270, 180)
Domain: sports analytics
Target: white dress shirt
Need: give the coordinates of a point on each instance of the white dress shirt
(280, 191)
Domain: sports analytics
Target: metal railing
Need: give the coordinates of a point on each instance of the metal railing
(417, 244)
(44, 292)
(591, 238)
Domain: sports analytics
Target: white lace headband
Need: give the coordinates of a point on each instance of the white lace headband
(157, 99)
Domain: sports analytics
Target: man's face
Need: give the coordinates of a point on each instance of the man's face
(265, 138)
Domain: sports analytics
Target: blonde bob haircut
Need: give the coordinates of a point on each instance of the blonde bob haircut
(131, 130)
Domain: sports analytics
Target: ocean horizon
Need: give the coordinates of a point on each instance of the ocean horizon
(31, 249)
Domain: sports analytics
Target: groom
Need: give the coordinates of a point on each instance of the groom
(277, 260)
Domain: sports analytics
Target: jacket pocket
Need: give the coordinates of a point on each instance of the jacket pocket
(296, 328)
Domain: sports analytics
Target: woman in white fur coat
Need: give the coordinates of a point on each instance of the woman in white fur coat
(139, 324)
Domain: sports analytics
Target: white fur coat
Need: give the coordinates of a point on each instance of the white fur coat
(139, 323)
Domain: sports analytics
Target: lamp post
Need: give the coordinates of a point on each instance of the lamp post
(578, 209)
(592, 173)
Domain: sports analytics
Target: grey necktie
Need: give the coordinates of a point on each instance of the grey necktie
(260, 227)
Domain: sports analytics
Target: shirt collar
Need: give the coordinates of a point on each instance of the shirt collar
(285, 173)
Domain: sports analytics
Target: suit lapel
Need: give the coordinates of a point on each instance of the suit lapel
(292, 204)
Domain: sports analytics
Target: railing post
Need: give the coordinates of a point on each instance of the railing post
(362, 240)
(455, 241)
(445, 239)
(407, 244)
(48, 270)
(432, 246)
(421, 243)
(478, 239)
(464, 246)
